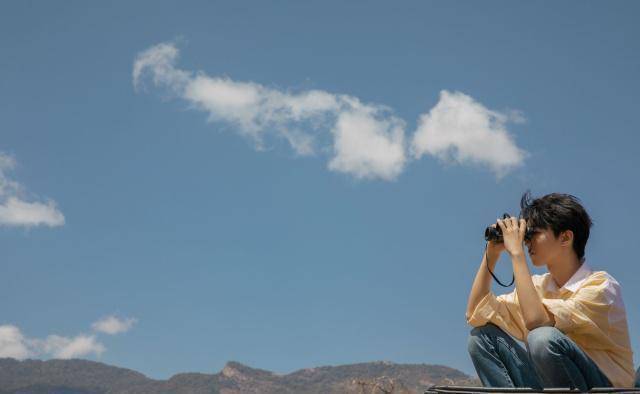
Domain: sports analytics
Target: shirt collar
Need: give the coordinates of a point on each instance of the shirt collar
(574, 282)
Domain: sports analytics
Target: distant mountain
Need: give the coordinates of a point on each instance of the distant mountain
(89, 377)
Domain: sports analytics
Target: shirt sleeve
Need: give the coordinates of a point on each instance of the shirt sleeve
(586, 313)
(503, 311)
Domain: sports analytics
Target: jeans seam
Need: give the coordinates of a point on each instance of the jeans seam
(505, 371)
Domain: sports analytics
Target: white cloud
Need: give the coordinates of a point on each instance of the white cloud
(258, 112)
(113, 325)
(63, 347)
(160, 59)
(367, 147)
(15, 210)
(16, 345)
(365, 140)
(13, 343)
(461, 130)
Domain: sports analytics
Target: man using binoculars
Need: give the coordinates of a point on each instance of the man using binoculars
(572, 319)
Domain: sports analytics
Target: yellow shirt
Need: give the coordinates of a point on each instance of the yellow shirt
(588, 309)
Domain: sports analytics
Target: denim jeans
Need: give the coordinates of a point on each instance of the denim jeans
(550, 360)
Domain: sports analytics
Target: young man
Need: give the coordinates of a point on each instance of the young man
(572, 319)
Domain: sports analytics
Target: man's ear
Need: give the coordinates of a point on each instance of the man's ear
(566, 238)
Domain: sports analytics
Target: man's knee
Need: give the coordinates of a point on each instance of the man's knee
(543, 342)
(474, 344)
(479, 338)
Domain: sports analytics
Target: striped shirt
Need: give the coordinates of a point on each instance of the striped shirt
(588, 309)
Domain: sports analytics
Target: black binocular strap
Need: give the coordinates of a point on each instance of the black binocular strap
(489, 269)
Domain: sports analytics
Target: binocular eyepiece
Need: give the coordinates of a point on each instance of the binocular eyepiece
(495, 233)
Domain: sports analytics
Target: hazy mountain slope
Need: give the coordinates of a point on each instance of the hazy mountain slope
(89, 377)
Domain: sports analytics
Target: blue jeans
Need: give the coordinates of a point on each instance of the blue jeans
(550, 360)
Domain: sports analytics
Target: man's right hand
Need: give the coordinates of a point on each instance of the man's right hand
(494, 249)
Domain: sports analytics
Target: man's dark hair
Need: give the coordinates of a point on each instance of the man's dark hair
(558, 212)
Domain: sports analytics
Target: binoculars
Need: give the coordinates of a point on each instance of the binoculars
(495, 233)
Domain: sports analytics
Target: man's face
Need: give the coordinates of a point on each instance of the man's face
(544, 247)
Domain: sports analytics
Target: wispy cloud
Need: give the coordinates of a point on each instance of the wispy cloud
(461, 130)
(58, 346)
(13, 343)
(368, 140)
(365, 140)
(15, 210)
(113, 324)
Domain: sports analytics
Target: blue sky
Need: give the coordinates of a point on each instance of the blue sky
(292, 185)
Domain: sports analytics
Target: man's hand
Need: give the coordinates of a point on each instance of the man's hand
(513, 235)
(494, 248)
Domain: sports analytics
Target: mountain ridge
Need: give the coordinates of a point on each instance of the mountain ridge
(78, 376)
